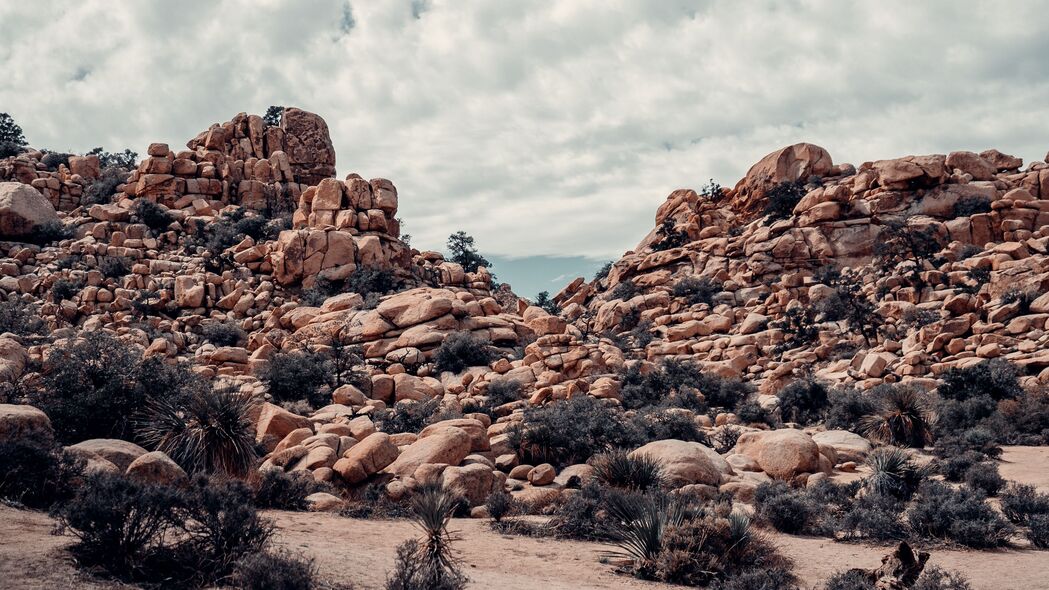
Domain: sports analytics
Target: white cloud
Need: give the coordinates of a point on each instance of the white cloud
(539, 127)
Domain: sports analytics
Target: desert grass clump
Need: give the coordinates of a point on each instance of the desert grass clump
(499, 505)
(207, 432)
(619, 469)
(902, 419)
(893, 473)
(431, 563)
(282, 490)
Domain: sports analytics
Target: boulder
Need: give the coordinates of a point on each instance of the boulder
(542, 475)
(782, 454)
(367, 457)
(118, 452)
(474, 482)
(13, 359)
(849, 446)
(308, 146)
(686, 462)
(448, 445)
(20, 421)
(274, 423)
(323, 502)
(22, 210)
(794, 162)
(156, 468)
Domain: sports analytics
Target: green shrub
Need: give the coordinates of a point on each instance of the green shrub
(1038, 531)
(37, 473)
(697, 290)
(663, 424)
(407, 416)
(619, 470)
(462, 350)
(102, 189)
(20, 318)
(50, 232)
(787, 510)
(114, 267)
(848, 407)
(273, 115)
(979, 439)
(969, 206)
(1021, 502)
(463, 252)
(803, 401)
(873, 517)
(624, 290)
(603, 271)
(961, 515)
(223, 334)
(499, 504)
(753, 413)
(996, 378)
(953, 468)
(985, 477)
(281, 490)
(55, 159)
(571, 431)
(279, 570)
(155, 216)
(300, 375)
(669, 236)
(782, 199)
(115, 160)
(65, 290)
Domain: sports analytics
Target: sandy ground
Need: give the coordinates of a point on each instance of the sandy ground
(360, 552)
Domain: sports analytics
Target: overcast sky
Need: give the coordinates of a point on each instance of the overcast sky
(542, 128)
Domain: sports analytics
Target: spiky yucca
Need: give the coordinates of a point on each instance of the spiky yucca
(618, 469)
(639, 524)
(432, 562)
(902, 420)
(893, 473)
(207, 432)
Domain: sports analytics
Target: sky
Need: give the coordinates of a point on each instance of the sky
(550, 131)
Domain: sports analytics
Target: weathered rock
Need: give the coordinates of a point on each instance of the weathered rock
(22, 210)
(156, 468)
(447, 445)
(782, 453)
(24, 422)
(119, 452)
(366, 458)
(686, 462)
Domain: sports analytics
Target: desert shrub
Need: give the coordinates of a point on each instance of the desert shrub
(848, 301)
(902, 418)
(65, 289)
(624, 290)
(407, 416)
(208, 432)
(789, 511)
(223, 334)
(960, 515)
(697, 290)
(663, 424)
(972, 205)
(37, 473)
(966, 438)
(102, 189)
(582, 515)
(232, 226)
(1020, 502)
(462, 350)
(367, 280)
(571, 431)
(916, 317)
(1024, 420)
(499, 504)
(274, 570)
(55, 159)
(603, 271)
(1038, 531)
(619, 470)
(873, 517)
(374, 503)
(20, 318)
(995, 378)
(672, 384)
(291, 376)
(502, 391)
(799, 327)
(669, 236)
(463, 252)
(110, 160)
(92, 389)
(849, 580)
(953, 467)
(893, 473)
(543, 301)
(752, 413)
(936, 578)
(803, 401)
(725, 438)
(50, 232)
(149, 533)
(155, 216)
(282, 490)
(984, 477)
(782, 199)
(638, 527)
(430, 564)
(115, 267)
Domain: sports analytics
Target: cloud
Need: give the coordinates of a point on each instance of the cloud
(540, 127)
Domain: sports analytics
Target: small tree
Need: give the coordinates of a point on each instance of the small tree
(12, 140)
(782, 199)
(125, 159)
(670, 236)
(464, 252)
(273, 115)
(901, 241)
(848, 302)
(542, 299)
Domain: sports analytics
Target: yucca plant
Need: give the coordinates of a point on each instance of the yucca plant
(893, 473)
(618, 469)
(207, 432)
(430, 564)
(638, 527)
(902, 420)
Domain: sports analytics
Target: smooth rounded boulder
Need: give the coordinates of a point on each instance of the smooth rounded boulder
(156, 468)
(781, 454)
(22, 210)
(367, 457)
(686, 462)
(849, 446)
(118, 452)
(20, 422)
(448, 445)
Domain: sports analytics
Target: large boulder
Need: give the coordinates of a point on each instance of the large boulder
(794, 162)
(367, 457)
(448, 446)
(475, 482)
(13, 359)
(18, 422)
(22, 210)
(118, 452)
(308, 146)
(781, 454)
(848, 446)
(274, 423)
(156, 468)
(686, 463)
